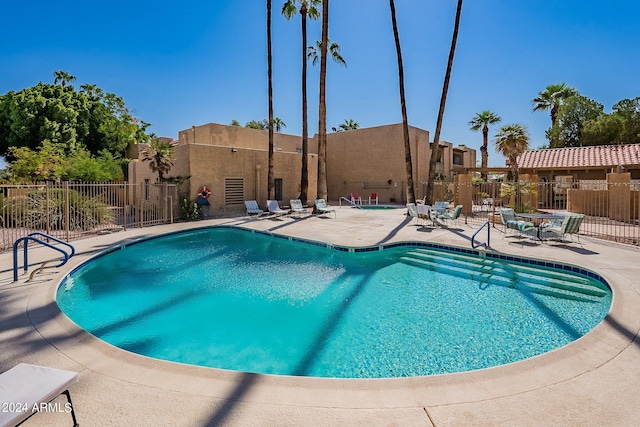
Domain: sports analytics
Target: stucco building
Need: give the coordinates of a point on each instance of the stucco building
(232, 162)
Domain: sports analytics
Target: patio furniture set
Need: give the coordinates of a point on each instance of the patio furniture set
(559, 225)
(437, 213)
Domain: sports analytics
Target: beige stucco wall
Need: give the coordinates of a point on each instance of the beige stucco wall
(372, 160)
(362, 161)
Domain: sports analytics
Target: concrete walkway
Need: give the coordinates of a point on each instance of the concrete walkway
(593, 381)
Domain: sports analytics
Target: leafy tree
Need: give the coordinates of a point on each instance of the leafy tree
(308, 8)
(443, 100)
(349, 124)
(575, 111)
(278, 124)
(89, 118)
(629, 111)
(482, 121)
(411, 197)
(552, 98)
(605, 129)
(257, 124)
(159, 154)
(512, 140)
(234, 122)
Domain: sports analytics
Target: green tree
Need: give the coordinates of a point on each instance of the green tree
(552, 98)
(629, 111)
(278, 124)
(308, 8)
(234, 122)
(89, 118)
(411, 197)
(349, 124)
(257, 124)
(44, 164)
(512, 140)
(572, 114)
(605, 129)
(159, 154)
(333, 51)
(62, 77)
(482, 121)
(443, 100)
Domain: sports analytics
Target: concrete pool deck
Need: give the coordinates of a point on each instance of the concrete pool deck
(592, 381)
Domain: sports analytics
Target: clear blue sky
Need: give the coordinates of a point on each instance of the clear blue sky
(182, 64)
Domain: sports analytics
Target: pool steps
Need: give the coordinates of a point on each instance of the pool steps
(492, 272)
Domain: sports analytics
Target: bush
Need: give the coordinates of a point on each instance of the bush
(35, 211)
(189, 210)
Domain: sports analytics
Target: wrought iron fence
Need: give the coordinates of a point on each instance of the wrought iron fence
(612, 210)
(74, 210)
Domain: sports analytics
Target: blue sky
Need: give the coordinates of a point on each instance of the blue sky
(183, 64)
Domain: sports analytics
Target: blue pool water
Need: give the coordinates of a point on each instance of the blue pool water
(233, 299)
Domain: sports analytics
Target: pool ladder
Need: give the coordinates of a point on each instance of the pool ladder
(476, 245)
(353, 205)
(32, 237)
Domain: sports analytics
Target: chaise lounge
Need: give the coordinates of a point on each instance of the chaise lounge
(322, 208)
(510, 222)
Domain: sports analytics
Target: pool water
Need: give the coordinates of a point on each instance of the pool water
(233, 299)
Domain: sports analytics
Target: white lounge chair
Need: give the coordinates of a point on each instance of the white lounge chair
(296, 207)
(569, 226)
(274, 208)
(29, 387)
(322, 208)
(253, 208)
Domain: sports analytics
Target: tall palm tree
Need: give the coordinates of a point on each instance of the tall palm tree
(482, 121)
(333, 51)
(322, 105)
(62, 77)
(443, 100)
(160, 157)
(271, 187)
(308, 8)
(512, 140)
(411, 197)
(552, 97)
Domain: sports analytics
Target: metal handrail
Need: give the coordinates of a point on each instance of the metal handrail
(473, 244)
(32, 237)
(355, 205)
(55, 239)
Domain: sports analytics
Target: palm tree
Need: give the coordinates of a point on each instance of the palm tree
(322, 106)
(307, 8)
(347, 125)
(278, 124)
(482, 121)
(552, 97)
(443, 101)
(62, 77)
(89, 89)
(411, 197)
(333, 51)
(512, 140)
(160, 157)
(271, 188)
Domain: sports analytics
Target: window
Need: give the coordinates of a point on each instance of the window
(233, 191)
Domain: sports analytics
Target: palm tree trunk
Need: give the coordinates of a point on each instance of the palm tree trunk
(322, 109)
(484, 150)
(270, 177)
(443, 101)
(411, 197)
(304, 180)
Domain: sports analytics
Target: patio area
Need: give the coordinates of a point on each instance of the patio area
(593, 381)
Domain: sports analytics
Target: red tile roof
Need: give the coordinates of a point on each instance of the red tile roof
(577, 157)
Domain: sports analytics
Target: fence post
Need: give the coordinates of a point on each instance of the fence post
(47, 196)
(619, 196)
(67, 214)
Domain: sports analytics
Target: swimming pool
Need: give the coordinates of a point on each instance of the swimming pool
(234, 299)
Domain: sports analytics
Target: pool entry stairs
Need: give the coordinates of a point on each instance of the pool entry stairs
(42, 239)
(491, 272)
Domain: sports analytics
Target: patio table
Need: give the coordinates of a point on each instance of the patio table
(539, 216)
